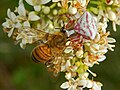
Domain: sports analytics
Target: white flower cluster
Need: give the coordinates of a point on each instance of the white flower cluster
(90, 53)
(111, 11)
(20, 24)
(87, 37)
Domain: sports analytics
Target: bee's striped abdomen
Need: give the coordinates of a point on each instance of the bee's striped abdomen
(42, 53)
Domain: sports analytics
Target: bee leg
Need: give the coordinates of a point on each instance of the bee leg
(49, 63)
(41, 42)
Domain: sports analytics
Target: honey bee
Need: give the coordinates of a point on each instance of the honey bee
(50, 51)
(46, 52)
(52, 45)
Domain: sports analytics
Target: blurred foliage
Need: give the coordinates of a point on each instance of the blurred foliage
(19, 72)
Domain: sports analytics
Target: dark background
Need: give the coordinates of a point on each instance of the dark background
(19, 72)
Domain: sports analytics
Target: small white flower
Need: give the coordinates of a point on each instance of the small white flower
(36, 3)
(70, 85)
(90, 84)
(11, 23)
(25, 36)
(66, 66)
(85, 83)
(96, 86)
(102, 26)
(7, 24)
(23, 17)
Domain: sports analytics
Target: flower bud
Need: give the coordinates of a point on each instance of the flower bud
(55, 12)
(46, 10)
(72, 10)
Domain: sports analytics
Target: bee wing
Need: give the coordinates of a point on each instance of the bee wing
(54, 77)
(42, 37)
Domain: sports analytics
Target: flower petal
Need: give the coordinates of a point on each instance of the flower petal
(33, 17)
(37, 2)
(11, 15)
(30, 39)
(89, 84)
(82, 83)
(18, 25)
(44, 1)
(68, 76)
(111, 40)
(19, 36)
(71, 88)
(30, 2)
(68, 50)
(22, 45)
(110, 47)
(84, 75)
(65, 85)
(67, 64)
(56, 0)
(101, 58)
(21, 9)
(37, 8)
(26, 24)
(96, 86)
(10, 32)
(7, 23)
